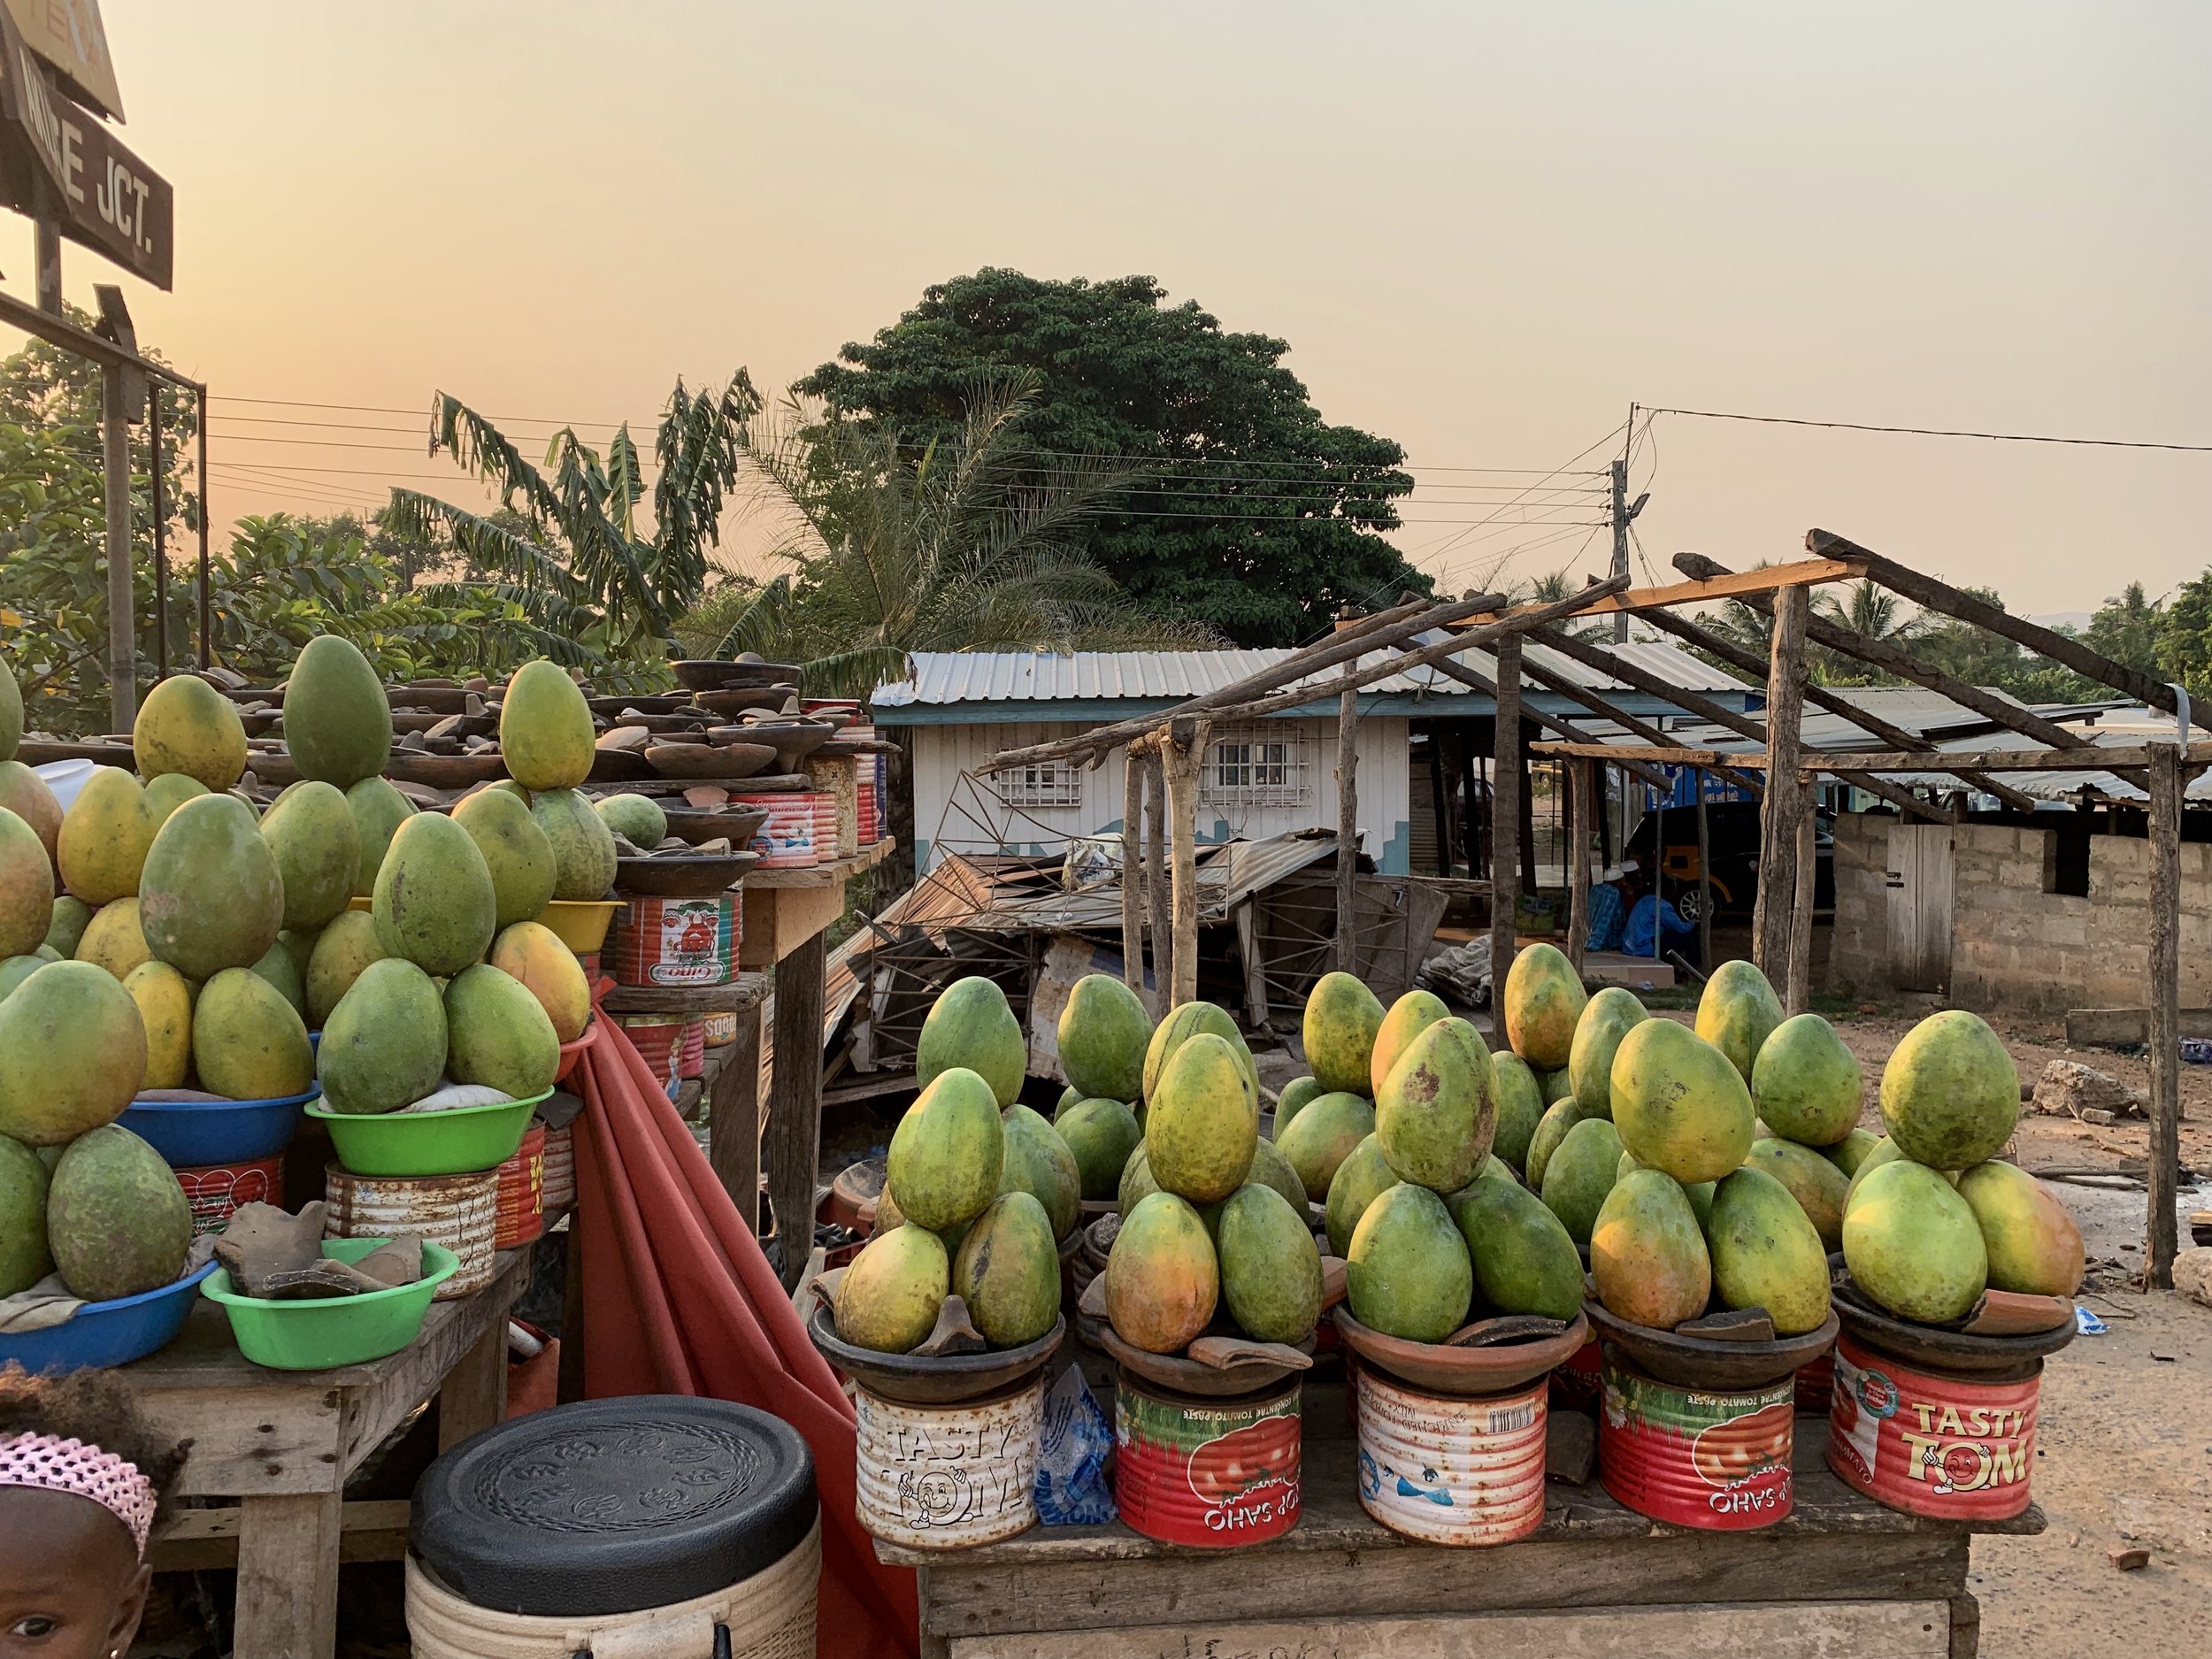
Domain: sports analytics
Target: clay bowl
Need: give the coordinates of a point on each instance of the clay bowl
(735, 700)
(441, 700)
(681, 875)
(790, 741)
(410, 721)
(645, 703)
(1701, 1362)
(930, 1380)
(706, 760)
(273, 764)
(715, 674)
(619, 765)
(1466, 1373)
(656, 723)
(1188, 1376)
(446, 771)
(1997, 1357)
(739, 823)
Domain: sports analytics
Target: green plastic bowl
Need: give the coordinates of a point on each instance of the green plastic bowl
(462, 1141)
(327, 1332)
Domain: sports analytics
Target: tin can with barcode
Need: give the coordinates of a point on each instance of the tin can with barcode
(1448, 1471)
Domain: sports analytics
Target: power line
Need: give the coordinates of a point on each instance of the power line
(1455, 541)
(1940, 432)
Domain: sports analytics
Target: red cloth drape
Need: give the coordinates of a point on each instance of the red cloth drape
(679, 1299)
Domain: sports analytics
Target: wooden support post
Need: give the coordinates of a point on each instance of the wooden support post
(1527, 830)
(1348, 830)
(1786, 791)
(1704, 881)
(795, 1103)
(1186, 753)
(1659, 879)
(1797, 997)
(1471, 793)
(288, 1576)
(1578, 863)
(734, 1119)
(1440, 807)
(1133, 873)
(2164, 1174)
(1505, 818)
(115, 462)
(1156, 896)
(473, 1395)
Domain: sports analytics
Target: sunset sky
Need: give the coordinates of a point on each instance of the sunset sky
(1485, 230)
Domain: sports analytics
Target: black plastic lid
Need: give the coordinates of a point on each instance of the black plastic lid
(612, 1506)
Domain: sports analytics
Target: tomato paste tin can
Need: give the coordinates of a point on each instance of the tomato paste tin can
(677, 942)
(659, 1039)
(1211, 1473)
(1716, 1459)
(1574, 1386)
(1816, 1385)
(521, 1216)
(559, 1189)
(216, 1190)
(1960, 1449)
(1446, 1470)
(949, 1476)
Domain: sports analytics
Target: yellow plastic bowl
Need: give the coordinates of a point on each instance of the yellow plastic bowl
(580, 924)
(360, 905)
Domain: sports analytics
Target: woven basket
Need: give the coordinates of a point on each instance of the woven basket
(769, 1615)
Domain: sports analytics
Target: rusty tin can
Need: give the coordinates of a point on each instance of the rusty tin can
(458, 1211)
(1718, 1460)
(1212, 1473)
(522, 1192)
(675, 941)
(216, 1190)
(1462, 1471)
(1816, 1385)
(559, 1191)
(1575, 1385)
(949, 1476)
(1956, 1447)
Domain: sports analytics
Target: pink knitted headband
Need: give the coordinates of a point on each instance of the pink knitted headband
(53, 1464)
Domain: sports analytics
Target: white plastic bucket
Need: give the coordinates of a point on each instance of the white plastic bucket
(65, 778)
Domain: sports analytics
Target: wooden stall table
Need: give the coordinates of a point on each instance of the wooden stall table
(1842, 1577)
(283, 1444)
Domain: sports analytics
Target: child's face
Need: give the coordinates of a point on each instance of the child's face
(71, 1585)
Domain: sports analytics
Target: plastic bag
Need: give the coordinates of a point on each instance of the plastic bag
(1072, 1454)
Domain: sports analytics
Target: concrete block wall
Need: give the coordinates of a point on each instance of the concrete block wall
(2017, 946)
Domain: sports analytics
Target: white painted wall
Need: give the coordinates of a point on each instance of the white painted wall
(960, 813)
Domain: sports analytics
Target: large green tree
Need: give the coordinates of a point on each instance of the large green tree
(1248, 513)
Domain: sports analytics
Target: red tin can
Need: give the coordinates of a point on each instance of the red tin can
(1816, 1386)
(1693, 1457)
(1211, 1473)
(1575, 1385)
(677, 942)
(691, 1048)
(216, 1190)
(1959, 1449)
(522, 1192)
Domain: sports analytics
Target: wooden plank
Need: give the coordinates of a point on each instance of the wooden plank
(778, 921)
(747, 990)
(1727, 651)
(473, 1395)
(2117, 757)
(201, 1541)
(1348, 828)
(1821, 1630)
(795, 1103)
(1797, 997)
(1156, 895)
(734, 1119)
(1656, 754)
(1379, 633)
(1185, 754)
(2123, 1027)
(1784, 804)
(1932, 594)
(415, 1373)
(1704, 878)
(1255, 958)
(1505, 829)
(1451, 668)
(2168, 779)
(832, 873)
(1725, 584)
(1579, 860)
(1132, 876)
(288, 1577)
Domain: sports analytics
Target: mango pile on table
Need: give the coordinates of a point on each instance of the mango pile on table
(164, 934)
(978, 1191)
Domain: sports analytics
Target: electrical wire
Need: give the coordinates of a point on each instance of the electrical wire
(1940, 432)
(1547, 478)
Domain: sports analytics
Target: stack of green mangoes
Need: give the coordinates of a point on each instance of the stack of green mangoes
(1434, 1225)
(978, 1191)
(1931, 1218)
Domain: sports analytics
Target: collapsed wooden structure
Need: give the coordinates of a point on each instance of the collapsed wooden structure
(1159, 889)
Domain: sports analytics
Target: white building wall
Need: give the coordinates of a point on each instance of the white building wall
(956, 809)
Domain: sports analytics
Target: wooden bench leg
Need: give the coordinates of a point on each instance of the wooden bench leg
(1966, 1627)
(288, 1577)
(473, 1396)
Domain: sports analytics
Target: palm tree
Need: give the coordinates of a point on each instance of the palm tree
(1867, 607)
(570, 547)
(969, 546)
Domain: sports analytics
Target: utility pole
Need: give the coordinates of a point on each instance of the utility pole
(1622, 514)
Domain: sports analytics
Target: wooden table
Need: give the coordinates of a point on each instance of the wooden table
(1842, 1577)
(283, 1444)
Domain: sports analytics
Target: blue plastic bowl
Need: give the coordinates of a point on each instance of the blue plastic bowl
(105, 1334)
(197, 1133)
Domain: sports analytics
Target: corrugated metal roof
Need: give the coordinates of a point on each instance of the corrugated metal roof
(956, 677)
